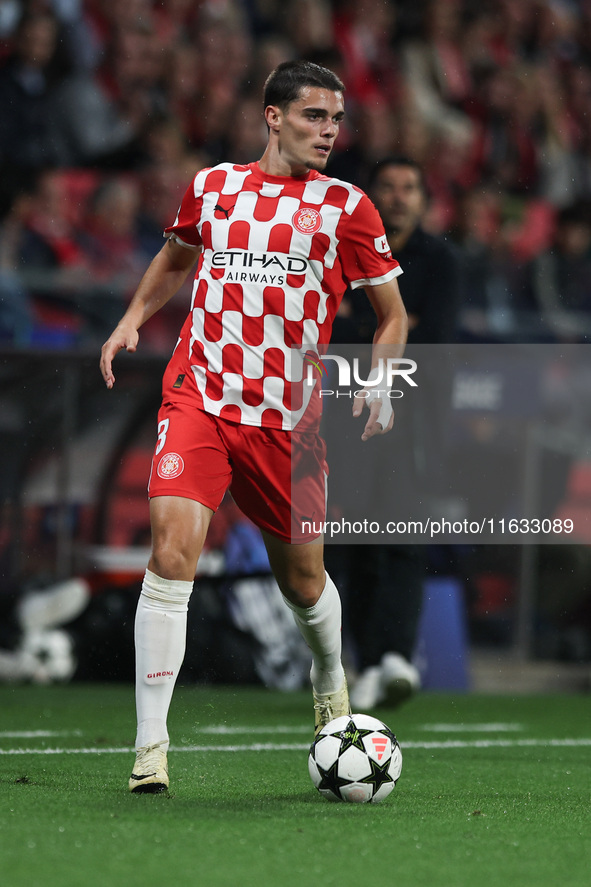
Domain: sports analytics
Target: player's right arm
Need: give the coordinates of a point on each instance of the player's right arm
(165, 275)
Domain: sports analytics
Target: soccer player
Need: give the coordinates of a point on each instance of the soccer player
(277, 242)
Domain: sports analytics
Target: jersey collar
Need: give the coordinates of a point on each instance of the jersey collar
(281, 180)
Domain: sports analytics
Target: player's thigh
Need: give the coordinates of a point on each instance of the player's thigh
(190, 458)
(279, 481)
(179, 527)
(298, 569)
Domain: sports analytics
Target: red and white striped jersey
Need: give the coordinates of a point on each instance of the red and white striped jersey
(277, 255)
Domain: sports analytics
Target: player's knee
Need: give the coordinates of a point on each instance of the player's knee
(171, 560)
(302, 586)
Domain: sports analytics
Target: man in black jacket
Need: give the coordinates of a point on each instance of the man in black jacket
(385, 582)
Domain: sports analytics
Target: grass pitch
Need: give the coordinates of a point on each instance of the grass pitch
(494, 791)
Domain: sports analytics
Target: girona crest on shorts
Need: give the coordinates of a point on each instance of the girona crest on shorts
(307, 220)
(170, 466)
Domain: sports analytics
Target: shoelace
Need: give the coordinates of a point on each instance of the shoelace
(150, 756)
(324, 709)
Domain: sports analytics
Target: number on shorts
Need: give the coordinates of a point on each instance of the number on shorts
(162, 432)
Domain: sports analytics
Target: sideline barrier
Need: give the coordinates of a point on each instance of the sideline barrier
(442, 643)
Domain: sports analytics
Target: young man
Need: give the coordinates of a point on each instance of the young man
(278, 243)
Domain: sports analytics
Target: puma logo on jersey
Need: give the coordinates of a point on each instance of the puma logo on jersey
(227, 211)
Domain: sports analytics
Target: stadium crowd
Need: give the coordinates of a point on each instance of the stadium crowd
(107, 109)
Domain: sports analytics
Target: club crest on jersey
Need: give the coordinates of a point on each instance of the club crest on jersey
(307, 220)
(170, 466)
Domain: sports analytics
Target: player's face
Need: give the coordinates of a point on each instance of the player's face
(307, 129)
(399, 198)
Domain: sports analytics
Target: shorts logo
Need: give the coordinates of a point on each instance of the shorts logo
(170, 466)
(307, 220)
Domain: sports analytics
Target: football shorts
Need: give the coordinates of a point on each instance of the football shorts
(277, 478)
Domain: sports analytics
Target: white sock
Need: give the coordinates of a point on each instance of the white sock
(160, 639)
(320, 627)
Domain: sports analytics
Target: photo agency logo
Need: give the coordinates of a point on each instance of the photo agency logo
(346, 376)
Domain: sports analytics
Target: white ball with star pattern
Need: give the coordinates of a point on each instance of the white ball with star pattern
(355, 758)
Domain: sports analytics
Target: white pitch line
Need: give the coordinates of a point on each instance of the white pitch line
(37, 734)
(257, 746)
(272, 746)
(499, 743)
(472, 728)
(64, 751)
(222, 730)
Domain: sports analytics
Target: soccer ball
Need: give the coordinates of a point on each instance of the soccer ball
(48, 656)
(355, 758)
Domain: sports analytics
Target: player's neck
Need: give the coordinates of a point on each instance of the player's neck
(273, 163)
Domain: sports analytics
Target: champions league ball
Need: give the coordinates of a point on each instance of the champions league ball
(355, 758)
(48, 656)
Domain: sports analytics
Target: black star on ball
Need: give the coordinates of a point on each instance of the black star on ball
(378, 776)
(331, 780)
(351, 737)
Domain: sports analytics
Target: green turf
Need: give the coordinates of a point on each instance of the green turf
(513, 815)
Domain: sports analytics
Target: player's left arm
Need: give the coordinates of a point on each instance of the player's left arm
(388, 342)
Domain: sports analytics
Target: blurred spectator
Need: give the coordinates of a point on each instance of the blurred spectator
(414, 137)
(372, 134)
(364, 34)
(249, 134)
(27, 78)
(272, 49)
(111, 253)
(16, 310)
(184, 88)
(309, 26)
(109, 238)
(579, 101)
(51, 228)
(436, 71)
(100, 117)
(486, 309)
(556, 284)
(172, 20)
(523, 139)
(429, 286)
(161, 191)
(223, 47)
(505, 148)
(165, 145)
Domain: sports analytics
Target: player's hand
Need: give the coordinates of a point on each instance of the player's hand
(381, 414)
(120, 338)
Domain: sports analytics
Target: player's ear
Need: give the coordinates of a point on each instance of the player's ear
(273, 116)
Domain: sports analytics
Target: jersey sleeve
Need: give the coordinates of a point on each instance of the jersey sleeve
(364, 251)
(185, 228)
